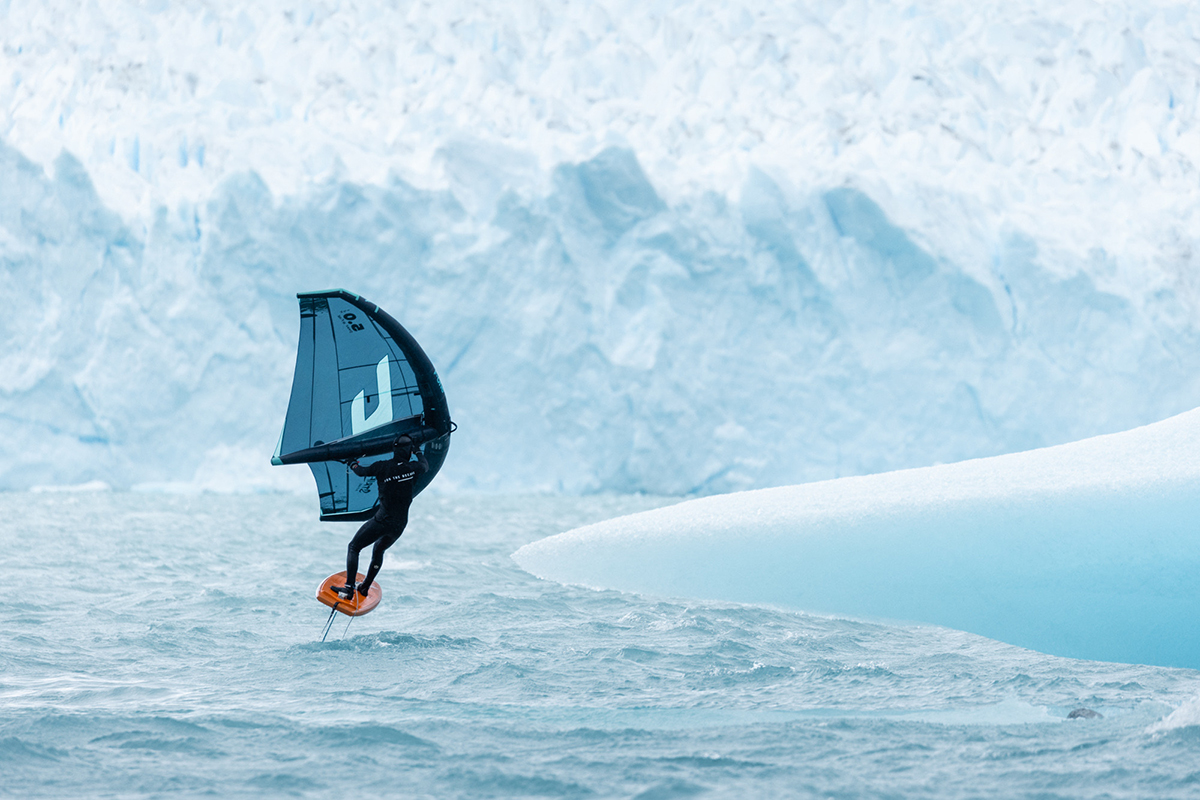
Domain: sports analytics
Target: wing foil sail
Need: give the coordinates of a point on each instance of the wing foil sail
(361, 380)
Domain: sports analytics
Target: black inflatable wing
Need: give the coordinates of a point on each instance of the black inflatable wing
(361, 380)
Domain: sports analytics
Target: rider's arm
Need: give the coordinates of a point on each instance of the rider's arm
(422, 465)
(361, 471)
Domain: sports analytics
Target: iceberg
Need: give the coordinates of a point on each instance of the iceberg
(1087, 550)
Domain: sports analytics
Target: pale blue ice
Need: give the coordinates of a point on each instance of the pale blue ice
(1087, 550)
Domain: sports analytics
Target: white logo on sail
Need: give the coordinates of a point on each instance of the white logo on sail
(381, 415)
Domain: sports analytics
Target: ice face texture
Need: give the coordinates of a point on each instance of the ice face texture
(649, 249)
(1087, 550)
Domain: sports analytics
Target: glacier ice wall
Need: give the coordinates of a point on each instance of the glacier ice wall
(658, 248)
(1086, 550)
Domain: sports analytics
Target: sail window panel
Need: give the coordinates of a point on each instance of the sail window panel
(331, 503)
(340, 490)
(314, 413)
(297, 424)
(362, 491)
(326, 403)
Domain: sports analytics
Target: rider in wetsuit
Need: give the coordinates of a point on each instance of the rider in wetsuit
(395, 480)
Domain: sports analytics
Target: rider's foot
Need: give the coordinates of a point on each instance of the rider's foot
(345, 592)
(364, 588)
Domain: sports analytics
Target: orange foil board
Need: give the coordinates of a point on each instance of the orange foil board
(352, 608)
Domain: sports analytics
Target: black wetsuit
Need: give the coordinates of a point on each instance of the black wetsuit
(395, 479)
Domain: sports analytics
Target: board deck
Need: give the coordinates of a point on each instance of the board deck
(352, 608)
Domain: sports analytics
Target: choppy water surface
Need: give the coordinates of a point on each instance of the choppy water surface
(156, 645)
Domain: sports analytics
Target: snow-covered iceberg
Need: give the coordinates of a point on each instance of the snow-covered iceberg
(1089, 549)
